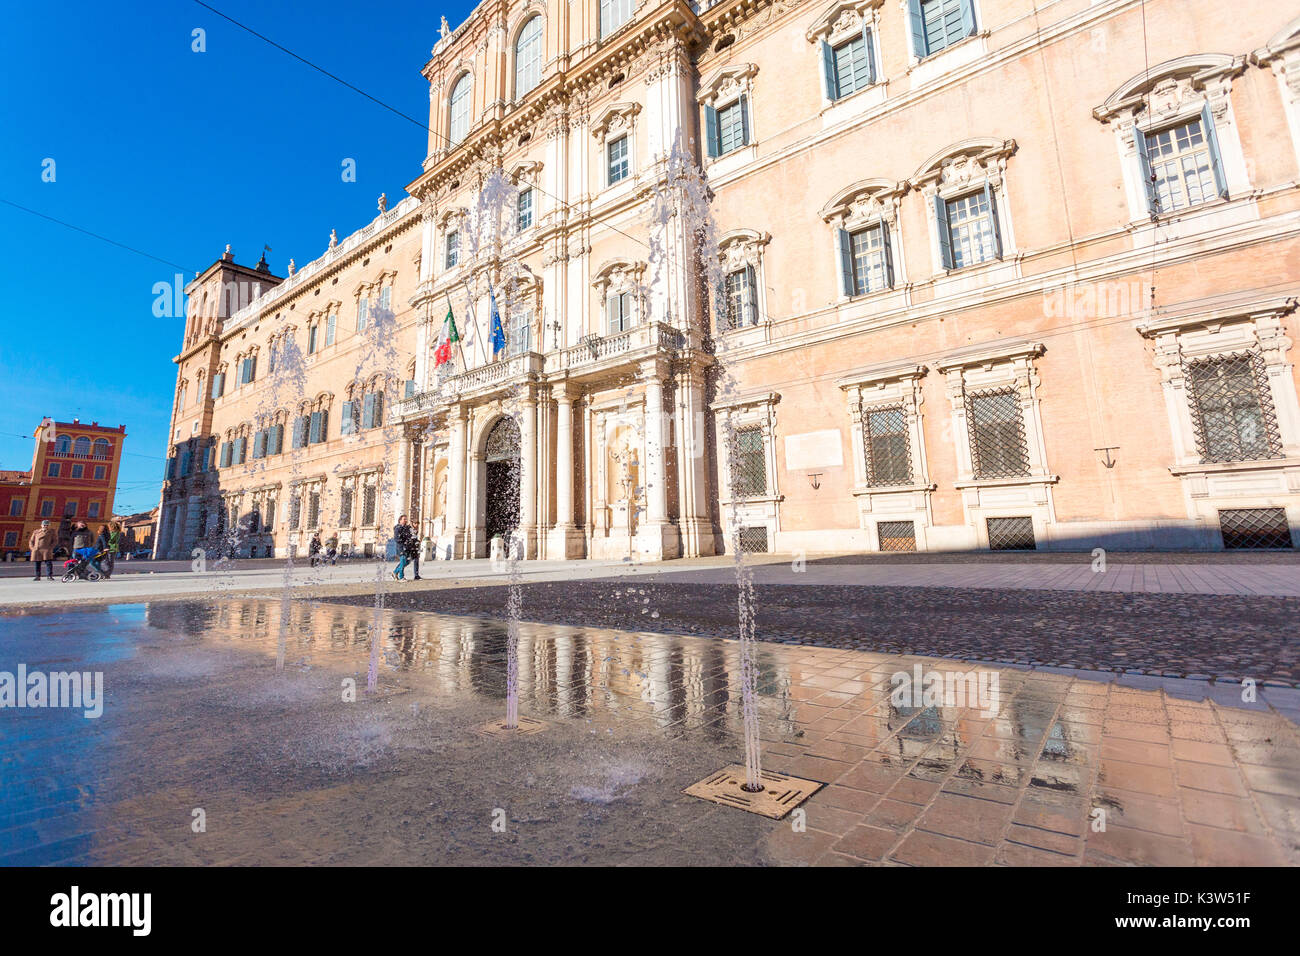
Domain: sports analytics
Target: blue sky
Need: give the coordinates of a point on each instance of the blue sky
(177, 153)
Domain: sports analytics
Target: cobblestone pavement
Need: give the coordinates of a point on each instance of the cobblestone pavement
(283, 770)
(1171, 635)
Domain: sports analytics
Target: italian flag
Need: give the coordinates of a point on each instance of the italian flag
(449, 337)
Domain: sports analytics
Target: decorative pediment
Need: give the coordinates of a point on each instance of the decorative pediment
(968, 163)
(741, 247)
(617, 119)
(526, 173)
(619, 275)
(842, 17)
(1164, 87)
(727, 82)
(865, 200)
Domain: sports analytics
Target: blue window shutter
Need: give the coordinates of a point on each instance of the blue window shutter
(991, 197)
(917, 22)
(379, 409)
(967, 17)
(829, 85)
(242, 446)
(1144, 171)
(409, 388)
(711, 130)
(252, 369)
(888, 253)
(847, 285)
(744, 119)
(368, 411)
(945, 238)
(1216, 160)
(313, 436)
(867, 51)
(345, 426)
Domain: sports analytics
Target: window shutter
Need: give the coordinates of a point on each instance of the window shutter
(847, 286)
(276, 439)
(945, 238)
(329, 329)
(711, 129)
(1216, 160)
(994, 224)
(252, 368)
(379, 409)
(744, 119)
(409, 388)
(356, 417)
(324, 424)
(611, 313)
(867, 52)
(1144, 171)
(829, 86)
(345, 427)
(887, 252)
(368, 411)
(917, 22)
(242, 449)
(967, 17)
(311, 340)
(313, 436)
(749, 311)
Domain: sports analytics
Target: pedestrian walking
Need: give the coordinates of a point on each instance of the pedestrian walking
(42, 542)
(408, 549)
(314, 549)
(332, 549)
(115, 541)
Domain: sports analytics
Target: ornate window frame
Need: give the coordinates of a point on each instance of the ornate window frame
(615, 121)
(1010, 365)
(1169, 94)
(740, 249)
(960, 170)
(760, 511)
(727, 86)
(530, 12)
(867, 203)
(1282, 55)
(972, 47)
(840, 23)
(615, 277)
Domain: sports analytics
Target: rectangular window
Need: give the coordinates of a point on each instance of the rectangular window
(70, 507)
(329, 329)
(53, 470)
(218, 384)
(896, 535)
(1182, 165)
(968, 229)
(741, 290)
(1011, 534)
(386, 299)
(368, 505)
(47, 507)
(851, 64)
(997, 434)
(15, 507)
(619, 311)
(78, 471)
(345, 508)
(363, 313)
(613, 14)
(618, 165)
(1232, 409)
(885, 446)
(11, 539)
(99, 472)
(869, 262)
(313, 509)
(749, 463)
(295, 511)
(1249, 528)
(311, 339)
(942, 23)
(520, 340)
(733, 126)
(525, 209)
(93, 510)
(453, 250)
(249, 370)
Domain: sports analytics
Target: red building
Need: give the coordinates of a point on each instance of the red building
(73, 478)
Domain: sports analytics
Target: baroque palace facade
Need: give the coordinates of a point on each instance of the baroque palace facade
(990, 274)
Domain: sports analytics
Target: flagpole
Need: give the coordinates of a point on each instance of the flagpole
(460, 345)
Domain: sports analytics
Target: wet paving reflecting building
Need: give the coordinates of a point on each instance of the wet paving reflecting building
(945, 325)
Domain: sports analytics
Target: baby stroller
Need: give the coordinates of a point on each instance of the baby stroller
(81, 566)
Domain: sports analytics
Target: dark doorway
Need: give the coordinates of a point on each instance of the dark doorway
(502, 459)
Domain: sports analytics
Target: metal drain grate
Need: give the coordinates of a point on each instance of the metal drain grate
(498, 728)
(896, 535)
(780, 794)
(753, 540)
(1011, 534)
(1254, 528)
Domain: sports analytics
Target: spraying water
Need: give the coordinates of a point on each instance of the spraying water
(683, 231)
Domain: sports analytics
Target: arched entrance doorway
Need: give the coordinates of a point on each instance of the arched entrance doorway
(501, 457)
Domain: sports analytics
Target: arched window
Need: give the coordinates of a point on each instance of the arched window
(460, 109)
(101, 447)
(62, 445)
(528, 57)
(81, 447)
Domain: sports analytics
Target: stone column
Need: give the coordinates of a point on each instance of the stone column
(455, 531)
(397, 504)
(692, 466)
(660, 537)
(528, 476)
(566, 539)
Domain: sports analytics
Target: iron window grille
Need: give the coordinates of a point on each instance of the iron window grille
(749, 463)
(345, 508)
(368, 501)
(1233, 417)
(1011, 534)
(896, 535)
(753, 540)
(997, 434)
(885, 446)
(1254, 528)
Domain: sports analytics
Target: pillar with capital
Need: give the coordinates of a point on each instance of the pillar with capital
(528, 474)
(566, 539)
(658, 535)
(453, 537)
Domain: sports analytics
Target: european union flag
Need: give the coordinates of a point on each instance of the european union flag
(498, 333)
